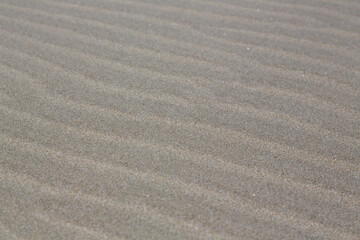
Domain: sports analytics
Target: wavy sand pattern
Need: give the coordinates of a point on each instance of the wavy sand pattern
(188, 119)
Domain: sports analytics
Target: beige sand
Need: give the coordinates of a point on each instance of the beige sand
(179, 119)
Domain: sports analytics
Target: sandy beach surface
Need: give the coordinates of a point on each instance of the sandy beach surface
(179, 119)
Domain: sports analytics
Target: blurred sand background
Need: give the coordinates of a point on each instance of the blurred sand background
(179, 119)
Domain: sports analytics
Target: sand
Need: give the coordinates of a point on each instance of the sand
(188, 119)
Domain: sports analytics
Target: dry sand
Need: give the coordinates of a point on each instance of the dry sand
(179, 119)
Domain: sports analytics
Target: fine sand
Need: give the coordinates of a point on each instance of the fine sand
(179, 119)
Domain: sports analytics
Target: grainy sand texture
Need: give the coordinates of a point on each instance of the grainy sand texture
(179, 119)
